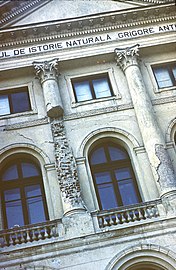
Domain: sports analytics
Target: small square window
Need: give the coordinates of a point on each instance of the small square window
(165, 75)
(92, 87)
(14, 101)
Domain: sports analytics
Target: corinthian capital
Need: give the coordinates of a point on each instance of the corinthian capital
(46, 70)
(126, 57)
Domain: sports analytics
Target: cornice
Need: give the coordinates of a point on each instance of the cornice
(13, 10)
(87, 25)
(147, 2)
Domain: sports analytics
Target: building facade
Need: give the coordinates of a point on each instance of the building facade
(88, 135)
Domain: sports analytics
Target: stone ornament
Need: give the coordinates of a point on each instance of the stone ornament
(46, 70)
(127, 56)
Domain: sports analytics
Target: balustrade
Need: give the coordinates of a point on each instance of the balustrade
(127, 214)
(29, 233)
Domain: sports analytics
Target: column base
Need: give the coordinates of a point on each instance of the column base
(77, 223)
(169, 202)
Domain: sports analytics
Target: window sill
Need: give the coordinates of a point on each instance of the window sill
(160, 90)
(8, 116)
(93, 101)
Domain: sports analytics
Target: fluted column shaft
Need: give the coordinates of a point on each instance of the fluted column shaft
(47, 73)
(150, 130)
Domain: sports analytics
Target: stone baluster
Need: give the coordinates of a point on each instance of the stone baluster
(150, 130)
(47, 73)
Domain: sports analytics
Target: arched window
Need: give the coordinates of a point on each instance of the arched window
(113, 176)
(22, 191)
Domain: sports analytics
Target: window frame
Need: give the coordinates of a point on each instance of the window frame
(90, 78)
(9, 92)
(168, 67)
(21, 183)
(111, 166)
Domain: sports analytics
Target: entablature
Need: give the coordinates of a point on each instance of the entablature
(87, 25)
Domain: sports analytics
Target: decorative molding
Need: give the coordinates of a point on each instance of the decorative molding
(116, 108)
(92, 25)
(33, 123)
(159, 254)
(12, 10)
(127, 57)
(46, 70)
(164, 100)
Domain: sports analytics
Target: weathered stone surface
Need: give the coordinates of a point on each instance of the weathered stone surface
(47, 73)
(66, 169)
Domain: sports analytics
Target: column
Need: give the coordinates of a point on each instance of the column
(66, 170)
(152, 136)
(47, 73)
(76, 220)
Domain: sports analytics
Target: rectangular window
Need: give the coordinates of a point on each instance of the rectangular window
(92, 87)
(14, 101)
(165, 75)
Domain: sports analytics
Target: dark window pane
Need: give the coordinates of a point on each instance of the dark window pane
(29, 170)
(107, 196)
(4, 105)
(10, 174)
(101, 88)
(127, 192)
(82, 90)
(102, 177)
(163, 77)
(20, 102)
(35, 205)
(116, 153)
(14, 213)
(12, 194)
(123, 173)
(32, 191)
(98, 156)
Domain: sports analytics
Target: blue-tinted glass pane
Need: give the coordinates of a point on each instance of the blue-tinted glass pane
(163, 77)
(4, 105)
(103, 177)
(116, 153)
(12, 194)
(35, 205)
(32, 191)
(29, 170)
(98, 156)
(127, 192)
(10, 174)
(83, 91)
(123, 173)
(101, 88)
(20, 102)
(107, 196)
(14, 213)
(174, 72)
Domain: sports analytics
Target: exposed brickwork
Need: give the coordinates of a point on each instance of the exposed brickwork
(66, 166)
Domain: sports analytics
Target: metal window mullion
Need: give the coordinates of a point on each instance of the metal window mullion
(116, 189)
(171, 75)
(92, 89)
(10, 102)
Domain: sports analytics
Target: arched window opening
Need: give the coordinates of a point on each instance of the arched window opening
(113, 176)
(22, 191)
